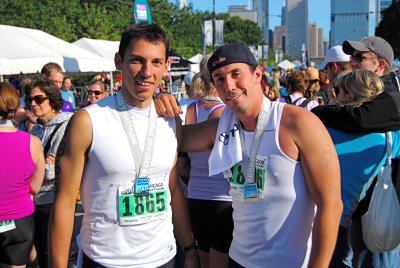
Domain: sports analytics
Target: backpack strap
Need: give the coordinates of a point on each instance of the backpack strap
(47, 146)
(296, 100)
(305, 102)
(288, 100)
(389, 146)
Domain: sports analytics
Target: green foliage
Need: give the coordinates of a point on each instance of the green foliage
(271, 57)
(243, 31)
(71, 20)
(389, 27)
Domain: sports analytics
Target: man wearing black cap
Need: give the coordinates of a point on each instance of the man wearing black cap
(274, 168)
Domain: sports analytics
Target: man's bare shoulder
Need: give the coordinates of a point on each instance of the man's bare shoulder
(81, 117)
(295, 118)
(79, 131)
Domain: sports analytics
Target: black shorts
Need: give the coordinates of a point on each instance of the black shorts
(212, 224)
(89, 263)
(16, 244)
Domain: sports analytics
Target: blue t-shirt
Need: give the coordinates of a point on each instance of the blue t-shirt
(68, 96)
(361, 156)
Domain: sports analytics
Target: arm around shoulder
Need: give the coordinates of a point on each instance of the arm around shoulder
(198, 137)
(38, 158)
(378, 115)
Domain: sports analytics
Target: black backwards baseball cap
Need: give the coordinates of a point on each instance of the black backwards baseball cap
(374, 44)
(228, 54)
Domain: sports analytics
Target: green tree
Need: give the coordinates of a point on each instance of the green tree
(187, 32)
(271, 57)
(243, 31)
(103, 19)
(95, 23)
(389, 27)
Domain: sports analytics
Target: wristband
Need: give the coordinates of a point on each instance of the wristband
(192, 246)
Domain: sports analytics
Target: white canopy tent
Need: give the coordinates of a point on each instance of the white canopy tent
(285, 65)
(196, 59)
(103, 48)
(27, 50)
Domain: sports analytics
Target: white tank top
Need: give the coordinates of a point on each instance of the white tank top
(275, 231)
(110, 164)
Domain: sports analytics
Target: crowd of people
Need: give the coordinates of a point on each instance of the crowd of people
(251, 170)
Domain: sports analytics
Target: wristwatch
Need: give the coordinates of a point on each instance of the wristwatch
(182, 154)
(192, 246)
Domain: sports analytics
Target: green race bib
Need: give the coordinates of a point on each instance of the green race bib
(134, 210)
(239, 178)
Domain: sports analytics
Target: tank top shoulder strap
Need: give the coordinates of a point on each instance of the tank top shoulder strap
(212, 110)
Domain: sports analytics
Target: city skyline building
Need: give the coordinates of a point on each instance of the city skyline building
(242, 12)
(349, 20)
(296, 22)
(315, 41)
(279, 38)
(262, 8)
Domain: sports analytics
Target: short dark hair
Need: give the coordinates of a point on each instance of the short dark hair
(297, 81)
(148, 32)
(50, 67)
(51, 91)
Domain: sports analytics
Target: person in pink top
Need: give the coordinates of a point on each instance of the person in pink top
(21, 175)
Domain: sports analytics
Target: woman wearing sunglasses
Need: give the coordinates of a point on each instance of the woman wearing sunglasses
(21, 174)
(97, 90)
(45, 102)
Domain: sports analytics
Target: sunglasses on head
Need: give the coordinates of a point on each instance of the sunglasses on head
(39, 99)
(97, 93)
(359, 57)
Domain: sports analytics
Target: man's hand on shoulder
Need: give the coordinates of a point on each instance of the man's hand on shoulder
(166, 105)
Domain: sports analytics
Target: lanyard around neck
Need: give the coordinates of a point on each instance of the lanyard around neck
(250, 160)
(142, 160)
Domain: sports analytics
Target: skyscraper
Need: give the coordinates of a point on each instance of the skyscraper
(296, 22)
(349, 20)
(315, 41)
(262, 7)
(279, 38)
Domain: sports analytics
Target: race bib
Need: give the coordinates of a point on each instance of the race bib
(249, 192)
(134, 209)
(7, 226)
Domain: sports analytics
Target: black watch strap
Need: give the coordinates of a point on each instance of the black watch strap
(192, 246)
(181, 154)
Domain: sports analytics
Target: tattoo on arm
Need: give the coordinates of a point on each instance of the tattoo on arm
(327, 155)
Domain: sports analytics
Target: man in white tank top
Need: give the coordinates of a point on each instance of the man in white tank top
(280, 162)
(122, 158)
